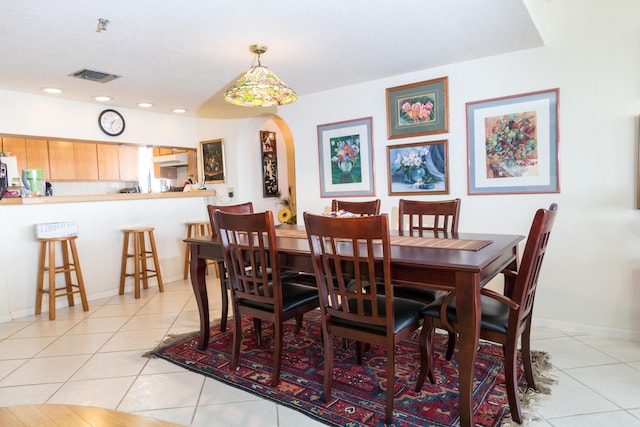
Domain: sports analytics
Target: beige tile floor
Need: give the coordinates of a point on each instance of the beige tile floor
(94, 359)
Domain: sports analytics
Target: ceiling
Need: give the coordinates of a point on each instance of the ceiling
(185, 54)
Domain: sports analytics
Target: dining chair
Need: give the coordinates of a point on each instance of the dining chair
(369, 207)
(259, 291)
(505, 318)
(246, 207)
(348, 254)
(437, 216)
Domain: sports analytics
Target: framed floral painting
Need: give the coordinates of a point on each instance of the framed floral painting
(345, 151)
(418, 168)
(418, 109)
(513, 144)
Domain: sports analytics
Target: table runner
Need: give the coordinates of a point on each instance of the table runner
(425, 242)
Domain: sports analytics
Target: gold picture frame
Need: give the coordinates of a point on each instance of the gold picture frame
(418, 109)
(212, 165)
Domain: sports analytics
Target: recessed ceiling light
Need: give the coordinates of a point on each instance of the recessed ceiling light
(145, 104)
(102, 98)
(52, 90)
(179, 110)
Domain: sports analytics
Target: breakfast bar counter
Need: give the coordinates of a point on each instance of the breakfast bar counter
(100, 220)
(104, 197)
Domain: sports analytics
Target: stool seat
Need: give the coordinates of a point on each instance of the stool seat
(51, 236)
(196, 229)
(141, 254)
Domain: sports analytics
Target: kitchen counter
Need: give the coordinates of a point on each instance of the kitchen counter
(104, 197)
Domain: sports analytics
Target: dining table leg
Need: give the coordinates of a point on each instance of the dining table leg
(468, 311)
(198, 270)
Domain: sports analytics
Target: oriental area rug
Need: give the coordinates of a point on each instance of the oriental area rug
(358, 393)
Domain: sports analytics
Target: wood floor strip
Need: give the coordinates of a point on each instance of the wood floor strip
(73, 416)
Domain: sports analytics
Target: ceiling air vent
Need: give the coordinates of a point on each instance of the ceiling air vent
(94, 76)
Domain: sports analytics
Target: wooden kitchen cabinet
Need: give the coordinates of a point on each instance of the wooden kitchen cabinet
(117, 162)
(38, 155)
(192, 168)
(108, 162)
(73, 161)
(157, 170)
(30, 153)
(79, 160)
(16, 147)
(62, 160)
(128, 159)
(85, 161)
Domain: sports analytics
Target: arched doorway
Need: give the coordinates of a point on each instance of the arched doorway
(285, 161)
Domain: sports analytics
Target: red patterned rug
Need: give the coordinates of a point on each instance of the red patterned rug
(358, 394)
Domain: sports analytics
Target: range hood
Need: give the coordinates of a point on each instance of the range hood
(170, 160)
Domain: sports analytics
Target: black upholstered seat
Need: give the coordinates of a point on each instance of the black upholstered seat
(505, 317)
(342, 250)
(258, 289)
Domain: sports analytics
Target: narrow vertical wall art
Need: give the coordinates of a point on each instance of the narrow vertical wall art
(269, 163)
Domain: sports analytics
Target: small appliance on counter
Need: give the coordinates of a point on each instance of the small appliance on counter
(135, 189)
(4, 180)
(33, 180)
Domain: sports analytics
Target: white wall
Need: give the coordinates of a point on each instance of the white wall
(243, 160)
(591, 277)
(33, 115)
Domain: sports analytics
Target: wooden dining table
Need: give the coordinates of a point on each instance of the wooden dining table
(462, 261)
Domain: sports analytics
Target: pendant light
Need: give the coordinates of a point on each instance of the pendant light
(259, 87)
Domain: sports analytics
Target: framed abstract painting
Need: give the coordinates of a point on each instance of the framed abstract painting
(269, 164)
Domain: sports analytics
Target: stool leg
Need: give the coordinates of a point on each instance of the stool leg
(66, 267)
(52, 280)
(125, 256)
(144, 253)
(41, 267)
(137, 258)
(154, 251)
(76, 264)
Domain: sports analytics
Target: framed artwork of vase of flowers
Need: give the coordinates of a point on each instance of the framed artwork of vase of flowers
(418, 168)
(345, 151)
(512, 144)
(418, 109)
(212, 158)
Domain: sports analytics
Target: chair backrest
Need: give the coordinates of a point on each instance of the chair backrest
(349, 254)
(526, 282)
(442, 215)
(240, 208)
(249, 240)
(370, 207)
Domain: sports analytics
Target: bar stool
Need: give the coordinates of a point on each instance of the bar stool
(196, 229)
(140, 255)
(50, 235)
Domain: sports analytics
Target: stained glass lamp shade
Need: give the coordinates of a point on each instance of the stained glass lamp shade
(259, 87)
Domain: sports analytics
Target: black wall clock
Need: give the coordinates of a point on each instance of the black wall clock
(111, 122)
